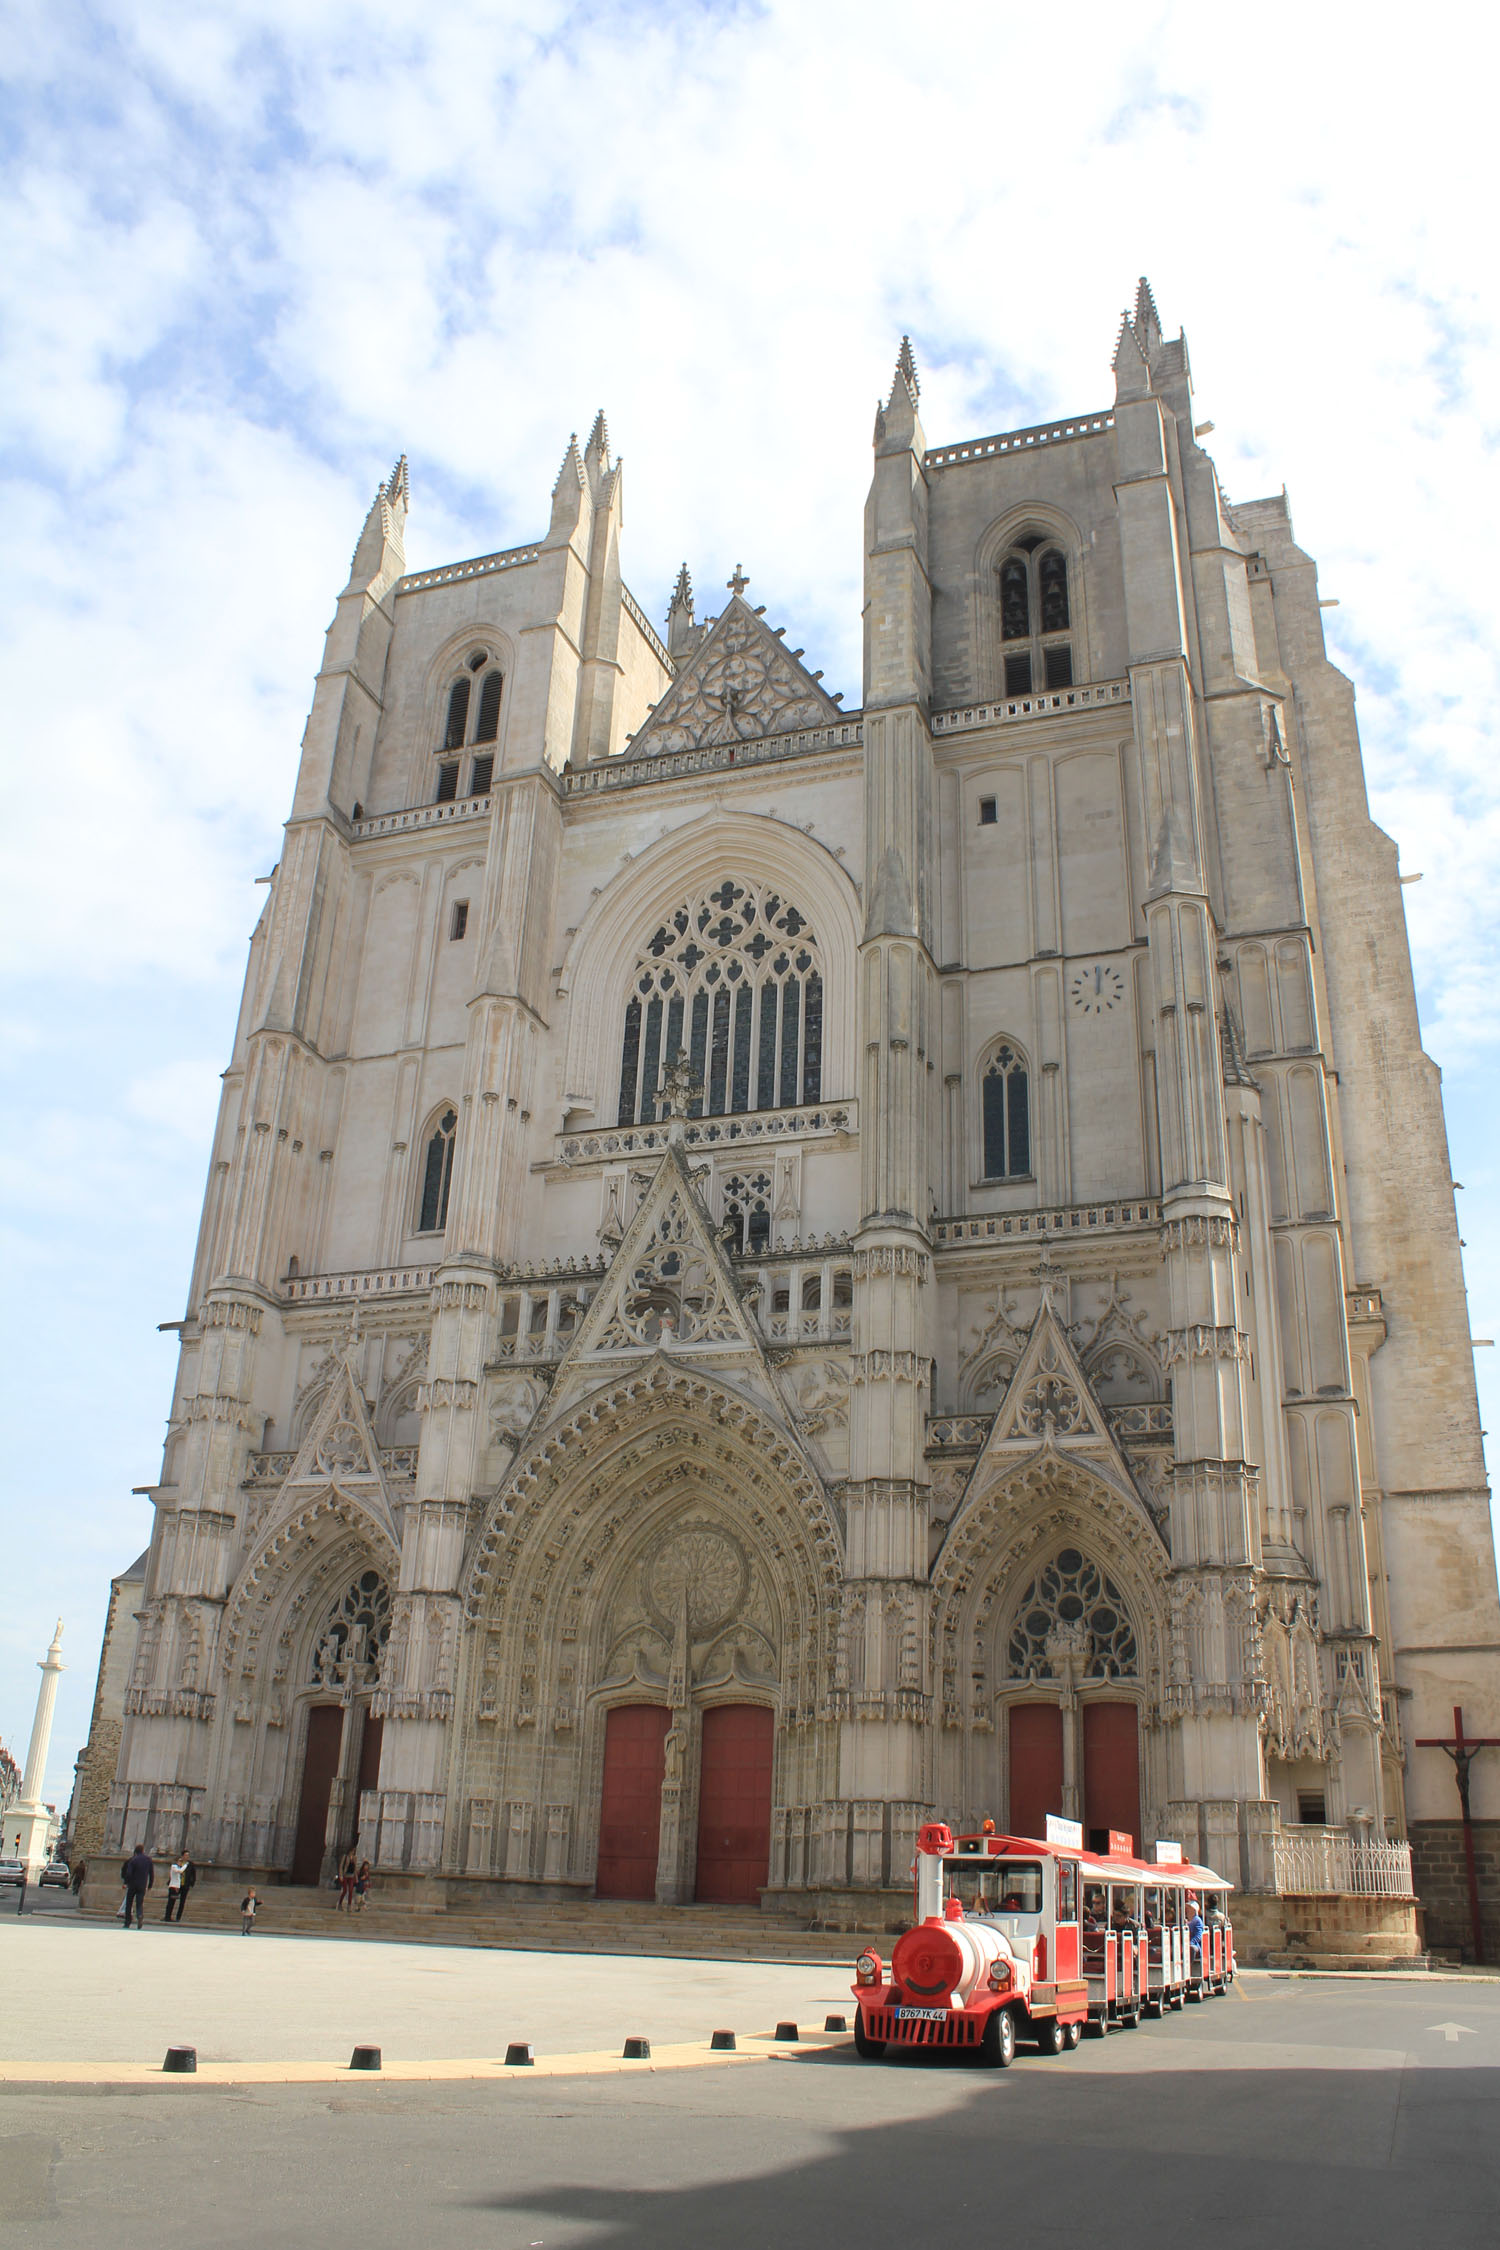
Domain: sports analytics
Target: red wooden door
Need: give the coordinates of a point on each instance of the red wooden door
(320, 1763)
(734, 1803)
(1111, 1773)
(369, 1756)
(1036, 1766)
(630, 1812)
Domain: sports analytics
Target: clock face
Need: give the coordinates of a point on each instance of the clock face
(1095, 990)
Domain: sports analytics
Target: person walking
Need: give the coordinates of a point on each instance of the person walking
(138, 1874)
(80, 1869)
(361, 1886)
(249, 1906)
(21, 1890)
(174, 1888)
(189, 1878)
(346, 1882)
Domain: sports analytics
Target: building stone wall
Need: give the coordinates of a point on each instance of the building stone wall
(94, 1770)
(931, 1221)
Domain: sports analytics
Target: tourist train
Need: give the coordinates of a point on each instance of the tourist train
(1016, 1938)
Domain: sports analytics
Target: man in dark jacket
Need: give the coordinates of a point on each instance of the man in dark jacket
(138, 1874)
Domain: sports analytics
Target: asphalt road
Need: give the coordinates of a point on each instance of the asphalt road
(1290, 2113)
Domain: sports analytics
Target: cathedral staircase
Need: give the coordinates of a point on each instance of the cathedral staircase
(701, 1933)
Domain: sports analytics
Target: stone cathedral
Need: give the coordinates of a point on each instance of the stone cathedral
(771, 1270)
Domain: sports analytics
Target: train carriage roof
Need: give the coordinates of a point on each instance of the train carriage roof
(1097, 1864)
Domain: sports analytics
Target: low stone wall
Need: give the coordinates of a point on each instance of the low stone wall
(1438, 1870)
(1323, 1930)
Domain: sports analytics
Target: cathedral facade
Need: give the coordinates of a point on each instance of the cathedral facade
(770, 1271)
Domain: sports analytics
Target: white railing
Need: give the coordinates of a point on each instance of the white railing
(477, 566)
(1042, 703)
(1073, 1218)
(422, 816)
(1314, 1860)
(633, 766)
(384, 1281)
(1019, 441)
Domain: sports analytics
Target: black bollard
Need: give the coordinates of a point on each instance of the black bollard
(365, 2058)
(637, 2050)
(835, 2023)
(723, 2041)
(181, 2058)
(786, 2031)
(519, 2054)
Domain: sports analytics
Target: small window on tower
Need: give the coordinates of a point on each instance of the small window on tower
(1312, 1808)
(1015, 599)
(458, 927)
(447, 784)
(481, 773)
(458, 715)
(1059, 666)
(1018, 674)
(986, 812)
(489, 708)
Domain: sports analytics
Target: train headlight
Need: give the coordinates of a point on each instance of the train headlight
(869, 1969)
(999, 1975)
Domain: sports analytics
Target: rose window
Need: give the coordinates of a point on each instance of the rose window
(357, 1631)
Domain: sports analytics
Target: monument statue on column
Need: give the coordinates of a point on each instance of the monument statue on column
(28, 1822)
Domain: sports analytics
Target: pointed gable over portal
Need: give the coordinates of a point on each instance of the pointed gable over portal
(740, 684)
(1049, 1407)
(339, 1453)
(670, 1290)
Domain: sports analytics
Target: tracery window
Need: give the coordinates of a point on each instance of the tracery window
(735, 977)
(437, 1175)
(357, 1631)
(457, 732)
(1005, 1095)
(1035, 611)
(1071, 1609)
(747, 1210)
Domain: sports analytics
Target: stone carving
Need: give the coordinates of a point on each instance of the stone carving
(1071, 1614)
(823, 1395)
(341, 1452)
(700, 1567)
(513, 1402)
(740, 685)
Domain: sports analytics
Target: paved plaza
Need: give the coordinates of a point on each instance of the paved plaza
(1294, 2110)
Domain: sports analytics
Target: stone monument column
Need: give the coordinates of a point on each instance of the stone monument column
(27, 1822)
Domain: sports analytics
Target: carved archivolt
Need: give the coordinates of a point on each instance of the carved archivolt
(333, 1522)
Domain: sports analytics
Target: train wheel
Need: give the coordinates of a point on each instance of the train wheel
(870, 2049)
(1130, 2019)
(1051, 2038)
(1073, 2033)
(1097, 2027)
(998, 2046)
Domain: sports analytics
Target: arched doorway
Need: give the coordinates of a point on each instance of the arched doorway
(320, 1765)
(734, 1803)
(635, 1736)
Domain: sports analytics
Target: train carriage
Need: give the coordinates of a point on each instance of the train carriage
(1016, 1938)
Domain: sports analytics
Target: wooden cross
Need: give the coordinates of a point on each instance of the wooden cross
(1461, 1748)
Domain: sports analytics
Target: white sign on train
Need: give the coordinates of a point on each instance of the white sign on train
(1060, 1831)
(1168, 1855)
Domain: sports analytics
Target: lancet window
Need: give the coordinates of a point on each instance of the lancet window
(1072, 1613)
(735, 977)
(357, 1631)
(470, 723)
(1035, 617)
(747, 1211)
(437, 1174)
(1005, 1099)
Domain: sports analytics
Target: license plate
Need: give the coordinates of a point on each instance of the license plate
(922, 2015)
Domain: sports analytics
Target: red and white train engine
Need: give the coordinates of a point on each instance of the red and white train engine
(1018, 1939)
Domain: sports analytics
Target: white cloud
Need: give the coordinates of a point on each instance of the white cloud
(255, 250)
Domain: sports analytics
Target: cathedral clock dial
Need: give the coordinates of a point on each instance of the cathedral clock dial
(1094, 991)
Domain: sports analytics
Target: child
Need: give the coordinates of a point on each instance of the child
(361, 1886)
(248, 1905)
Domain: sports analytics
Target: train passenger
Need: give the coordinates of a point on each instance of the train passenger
(1093, 1906)
(1195, 1937)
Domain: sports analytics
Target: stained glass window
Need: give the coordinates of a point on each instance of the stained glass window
(1005, 1092)
(1072, 1608)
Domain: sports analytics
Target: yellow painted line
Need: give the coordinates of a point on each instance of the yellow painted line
(695, 2054)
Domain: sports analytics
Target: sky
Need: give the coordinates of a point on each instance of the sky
(255, 251)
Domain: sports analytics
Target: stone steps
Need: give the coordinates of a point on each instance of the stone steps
(687, 1932)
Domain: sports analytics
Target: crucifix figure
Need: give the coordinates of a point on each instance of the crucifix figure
(681, 1086)
(1461, 1749)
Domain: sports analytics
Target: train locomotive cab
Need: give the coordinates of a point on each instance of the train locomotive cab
(1017, 1939)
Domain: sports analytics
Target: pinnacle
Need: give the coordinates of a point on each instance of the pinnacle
(398, 484)
(906, 364)
(571, 457)
(1147, 318)
(599, 437)
(682, 592)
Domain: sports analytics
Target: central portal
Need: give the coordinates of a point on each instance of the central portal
(734, 1803)
(635, 1736)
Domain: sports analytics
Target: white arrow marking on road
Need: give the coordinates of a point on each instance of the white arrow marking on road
(1450, 2031)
